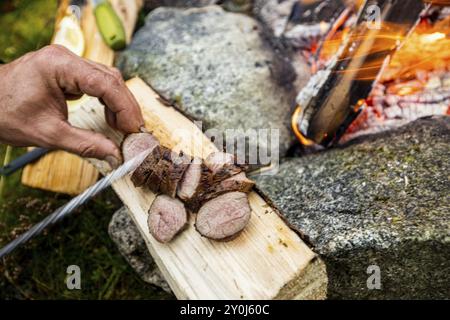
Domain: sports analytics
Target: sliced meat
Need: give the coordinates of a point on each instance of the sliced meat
(176, 166)
(195, 178)
(224, 217)
(135, 143)
(156, 177)
(223, 165)
(142, 173)
(216, 160)
(167, 217)
(191, 179)
(238, 182)
(154, 181)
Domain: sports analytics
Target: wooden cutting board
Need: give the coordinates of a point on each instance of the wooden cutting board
(60, 171)
(266, 261)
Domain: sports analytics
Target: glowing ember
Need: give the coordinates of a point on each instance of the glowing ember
(387, 108)
(415, 80)
(425, 49)
(429, 38)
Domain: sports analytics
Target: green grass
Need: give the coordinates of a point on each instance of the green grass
(38, 270)
(25, 25)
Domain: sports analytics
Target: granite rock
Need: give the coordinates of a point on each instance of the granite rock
(229, 5)
(297, 24)
(152, 4)
(215, 67)
(131, 245)
(380, 201)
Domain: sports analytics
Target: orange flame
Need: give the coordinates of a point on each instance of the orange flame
(426, 48)
(303, 140)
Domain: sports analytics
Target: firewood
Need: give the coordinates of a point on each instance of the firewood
(333, 97)
(268, 260)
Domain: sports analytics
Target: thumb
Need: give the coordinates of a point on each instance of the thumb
(88, 144)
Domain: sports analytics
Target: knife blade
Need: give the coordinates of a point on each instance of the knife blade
(76, 202)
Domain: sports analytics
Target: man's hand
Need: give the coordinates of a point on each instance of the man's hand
(33, 110)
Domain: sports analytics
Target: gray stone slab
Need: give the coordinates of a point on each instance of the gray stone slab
(382, 200)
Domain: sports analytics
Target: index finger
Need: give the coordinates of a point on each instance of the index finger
(105, 83)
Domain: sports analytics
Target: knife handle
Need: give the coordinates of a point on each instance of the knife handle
(110, 25)
(22, 161)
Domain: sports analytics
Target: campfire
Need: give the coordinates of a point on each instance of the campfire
(395, 73)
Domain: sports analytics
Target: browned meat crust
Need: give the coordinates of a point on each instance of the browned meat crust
(223, 165)
(176, 166)
(142, 173)
(156, 177)
(238, 182)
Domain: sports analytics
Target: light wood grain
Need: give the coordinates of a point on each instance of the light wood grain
(268, 260)
(61, 171)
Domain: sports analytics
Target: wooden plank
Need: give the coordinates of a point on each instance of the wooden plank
(60, 171)
(268, 260)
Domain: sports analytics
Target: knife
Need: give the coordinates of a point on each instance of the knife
(22, 161)
(76, 202)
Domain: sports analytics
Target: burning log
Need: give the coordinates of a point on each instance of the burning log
(416, 82)
(333, 97)
(388, 108)
(299, 24)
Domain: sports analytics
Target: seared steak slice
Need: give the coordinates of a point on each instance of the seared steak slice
(238, 182)
(197, 175)
(142, 173)
(216, 160)
(223, 165)
(224, 217)
(156, 177)
(176, 166)
(167, 217)
(191, 179)
(135, 143)
(154, 181)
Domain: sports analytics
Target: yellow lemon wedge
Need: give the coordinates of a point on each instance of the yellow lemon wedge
(69, 35)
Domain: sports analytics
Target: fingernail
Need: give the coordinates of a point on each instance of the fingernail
(143, 129)
(114, 163)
